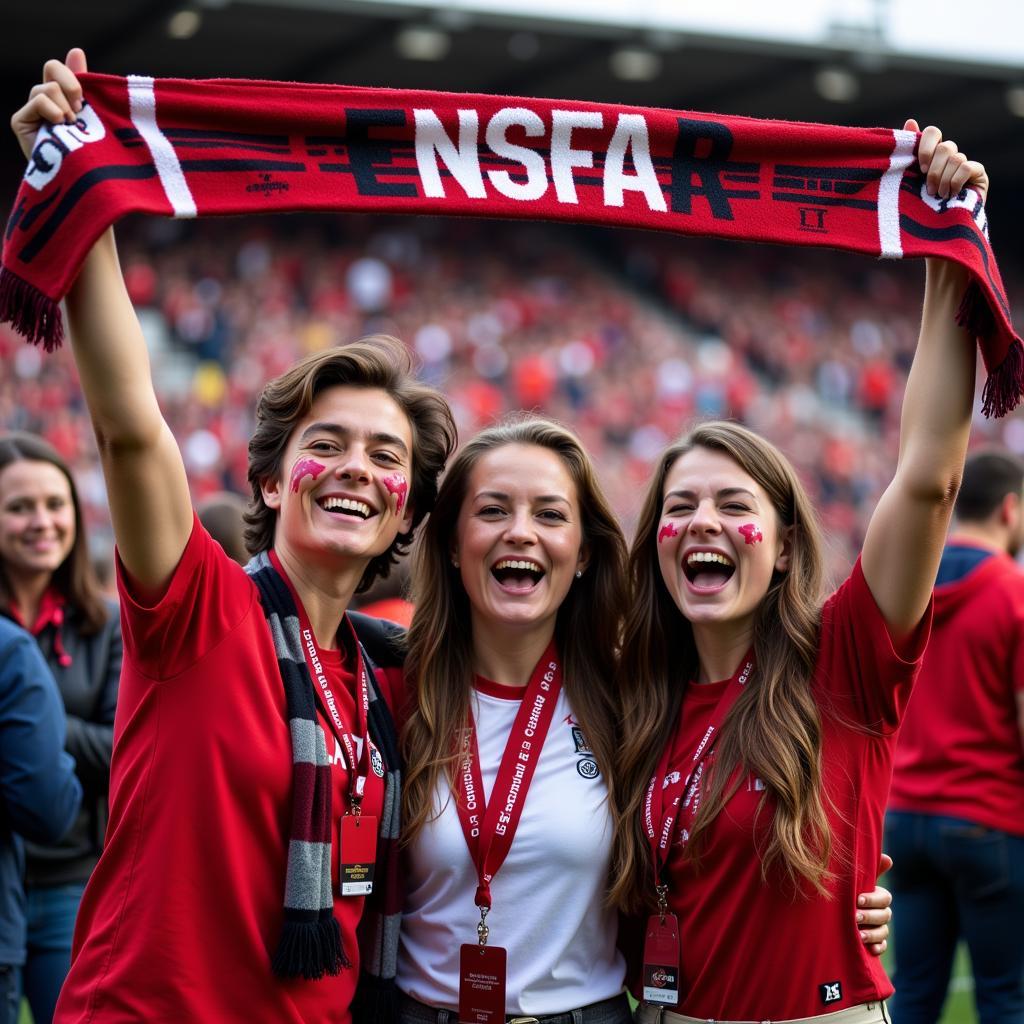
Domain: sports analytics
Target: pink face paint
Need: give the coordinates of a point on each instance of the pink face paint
(305, 467)
(668, 530)
(397, 484)
(751, 534)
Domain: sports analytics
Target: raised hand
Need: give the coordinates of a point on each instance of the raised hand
(57, 99)
(947, 169)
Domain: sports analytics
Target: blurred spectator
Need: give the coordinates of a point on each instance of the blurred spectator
(39, 794)
(222, 515)
(47, 585)
(386, 598)
(955, 827)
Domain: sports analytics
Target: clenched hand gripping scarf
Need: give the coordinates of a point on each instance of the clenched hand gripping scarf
(194, 148)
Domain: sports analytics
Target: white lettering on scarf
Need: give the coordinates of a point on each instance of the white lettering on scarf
(460, 158)
(54, 142)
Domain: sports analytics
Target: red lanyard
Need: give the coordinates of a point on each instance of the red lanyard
(489, 829)
(662, 806)
(358, 767)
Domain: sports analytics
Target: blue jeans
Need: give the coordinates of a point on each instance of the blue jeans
(954, 879)
(51, 911)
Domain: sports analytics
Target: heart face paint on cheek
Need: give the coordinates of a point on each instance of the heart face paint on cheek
(398, 485)
(751, 534)
(305, 467)
(667, 531)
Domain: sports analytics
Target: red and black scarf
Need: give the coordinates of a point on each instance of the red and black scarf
(190, 148)
(310, 944)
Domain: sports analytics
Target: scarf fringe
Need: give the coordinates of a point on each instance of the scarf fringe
(377, 1001)
(975, 314)
(31, 313)
(1005, 384)
(310, 949)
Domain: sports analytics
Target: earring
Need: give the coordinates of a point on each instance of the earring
(579, 573)
(455, 563)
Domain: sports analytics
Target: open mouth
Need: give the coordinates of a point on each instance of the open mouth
(517, 574)
(708, 570)
(346, 507)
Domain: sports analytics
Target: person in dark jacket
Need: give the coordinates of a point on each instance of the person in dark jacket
(39, 793)
(48, 586)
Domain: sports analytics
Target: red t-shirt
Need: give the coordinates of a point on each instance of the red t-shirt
(960, 750)
(183, 912)
(752, 950)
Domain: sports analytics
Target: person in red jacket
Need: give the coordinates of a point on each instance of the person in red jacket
(956, 808)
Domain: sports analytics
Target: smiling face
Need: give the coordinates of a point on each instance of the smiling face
(719, 541)
(519, 538)
(345, 460)
(37, 518)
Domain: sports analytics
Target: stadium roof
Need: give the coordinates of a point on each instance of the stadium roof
(852, 72)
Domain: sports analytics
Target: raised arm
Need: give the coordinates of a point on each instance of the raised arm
(150, 505)
(908, 528)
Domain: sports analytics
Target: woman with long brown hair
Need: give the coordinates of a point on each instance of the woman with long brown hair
(48, 586)
(518, 585)
(518, 576)
(759, 720)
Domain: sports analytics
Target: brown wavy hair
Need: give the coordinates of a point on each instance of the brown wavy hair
(75, 577)
(377, 361)
(439, 664)
(774, 729)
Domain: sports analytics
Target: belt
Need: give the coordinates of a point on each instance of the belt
(863, 1013)
(608, 1011)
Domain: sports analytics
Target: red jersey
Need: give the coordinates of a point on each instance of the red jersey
(756, 950)
(183, 912)
(960, 751)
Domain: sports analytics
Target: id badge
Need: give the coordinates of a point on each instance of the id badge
(482, 972)
(661, 960)
(358, 854)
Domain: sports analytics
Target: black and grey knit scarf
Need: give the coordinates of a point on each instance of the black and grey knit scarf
(310, 945)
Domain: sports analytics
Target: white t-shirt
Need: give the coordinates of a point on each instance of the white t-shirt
(547, 898)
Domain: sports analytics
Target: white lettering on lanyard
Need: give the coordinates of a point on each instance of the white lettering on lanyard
(322, 679)
(467, 782)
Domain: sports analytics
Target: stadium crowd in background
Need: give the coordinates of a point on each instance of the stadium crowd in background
(627, 336)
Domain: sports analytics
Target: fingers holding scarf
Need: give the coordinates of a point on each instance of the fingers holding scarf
(57, 99)
(946, 168)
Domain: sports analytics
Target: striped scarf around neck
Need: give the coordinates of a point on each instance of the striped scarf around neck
(310, 945)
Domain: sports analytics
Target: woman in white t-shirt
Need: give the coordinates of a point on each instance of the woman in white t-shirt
(518, 582)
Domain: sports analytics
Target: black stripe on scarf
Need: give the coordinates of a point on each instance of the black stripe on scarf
(310, 943)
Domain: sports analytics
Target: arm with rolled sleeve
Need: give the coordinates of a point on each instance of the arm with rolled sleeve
(39, 793)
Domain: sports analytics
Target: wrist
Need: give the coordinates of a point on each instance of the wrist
(947, 274)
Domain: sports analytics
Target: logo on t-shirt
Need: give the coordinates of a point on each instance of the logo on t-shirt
(582, 747)
(586, 765)
(831, 992)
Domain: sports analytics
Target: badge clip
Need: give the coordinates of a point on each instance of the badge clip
(662, 892)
